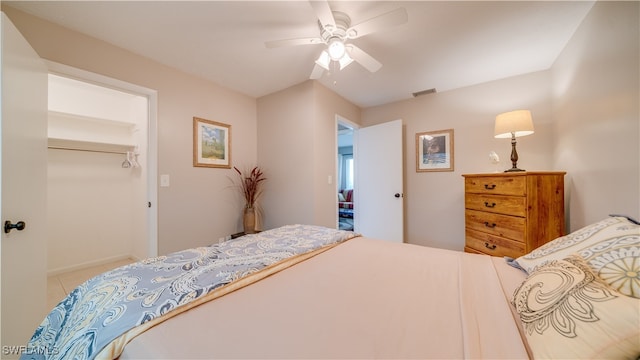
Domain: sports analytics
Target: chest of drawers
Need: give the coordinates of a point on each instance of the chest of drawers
(510, 214)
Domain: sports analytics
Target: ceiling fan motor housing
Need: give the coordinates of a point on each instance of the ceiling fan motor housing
(343, 22)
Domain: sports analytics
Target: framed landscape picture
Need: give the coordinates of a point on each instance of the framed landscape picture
(211, 144)
(434, 151)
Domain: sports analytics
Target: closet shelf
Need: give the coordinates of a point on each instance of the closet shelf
(85, 118)
(92, 146)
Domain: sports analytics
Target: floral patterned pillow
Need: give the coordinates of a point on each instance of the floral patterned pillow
(568, 312)
(611, 247)
(617, 262)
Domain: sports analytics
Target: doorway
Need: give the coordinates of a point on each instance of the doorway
(345, 183)
(375, 165)
(101, 171)
(379, 181)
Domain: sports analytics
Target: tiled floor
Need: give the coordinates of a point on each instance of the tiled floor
(58, 286)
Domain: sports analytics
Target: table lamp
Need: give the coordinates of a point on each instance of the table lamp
(513, 124)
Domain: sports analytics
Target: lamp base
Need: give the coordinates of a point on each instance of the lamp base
(514, 170)
(514, 155)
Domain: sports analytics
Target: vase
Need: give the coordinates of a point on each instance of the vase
(249, 220)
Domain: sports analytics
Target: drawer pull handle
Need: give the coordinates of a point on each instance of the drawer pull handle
(489, 205)
(492, 225)
(489, 187)
(490, 247)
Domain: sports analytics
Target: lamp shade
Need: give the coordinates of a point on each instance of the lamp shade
(324, 60)
(518, 123)
(345, 61)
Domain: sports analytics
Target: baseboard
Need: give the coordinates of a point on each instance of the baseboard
(88, 264)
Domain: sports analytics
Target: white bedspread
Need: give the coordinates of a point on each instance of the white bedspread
(362, 299)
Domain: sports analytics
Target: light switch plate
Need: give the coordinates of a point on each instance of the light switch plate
(164, 180)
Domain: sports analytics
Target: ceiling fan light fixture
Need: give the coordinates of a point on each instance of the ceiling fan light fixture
(336, 33)
(345, 61)
(324, 60)
(336, 49)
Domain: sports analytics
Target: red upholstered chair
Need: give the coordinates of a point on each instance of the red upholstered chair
(345, 199)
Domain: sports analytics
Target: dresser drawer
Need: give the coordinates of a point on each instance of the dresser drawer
(493, 245)
(501, 204)
(514, 185)
(511, 227)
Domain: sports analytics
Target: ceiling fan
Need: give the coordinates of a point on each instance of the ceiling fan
(336, 33)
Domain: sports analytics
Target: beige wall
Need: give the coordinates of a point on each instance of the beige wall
(434, 201)
(199, 207)
(327, 105)
(597, 115)
(285, 133)
(297, 147)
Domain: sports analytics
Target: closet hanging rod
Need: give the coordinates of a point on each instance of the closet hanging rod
(90, 146)
(88, 150)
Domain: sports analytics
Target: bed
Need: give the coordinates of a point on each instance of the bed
(310, 292)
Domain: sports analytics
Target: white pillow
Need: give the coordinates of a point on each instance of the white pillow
(618, 230)
(569, 313)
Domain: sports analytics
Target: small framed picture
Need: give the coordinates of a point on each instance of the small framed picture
(211, 144)
(434, 151)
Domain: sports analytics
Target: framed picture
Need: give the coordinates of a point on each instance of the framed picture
(434, 151)
(211, 144)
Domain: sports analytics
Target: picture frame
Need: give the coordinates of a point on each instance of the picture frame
(211, 144)
(434, 151)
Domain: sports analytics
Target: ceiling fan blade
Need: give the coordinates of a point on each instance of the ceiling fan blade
(323, 11)
(362, 58)
(293, 42)
(317, 72)
(392, 18)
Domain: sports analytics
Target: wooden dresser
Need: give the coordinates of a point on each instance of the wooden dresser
(510, 214)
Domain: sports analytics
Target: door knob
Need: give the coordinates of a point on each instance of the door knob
(397, 195)
(8, 226)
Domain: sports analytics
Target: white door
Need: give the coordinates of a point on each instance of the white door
(379, 204)
(23, 192)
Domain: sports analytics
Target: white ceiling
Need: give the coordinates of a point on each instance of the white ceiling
(445, 44)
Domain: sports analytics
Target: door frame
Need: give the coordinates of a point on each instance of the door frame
(152, 136)
(348, 123)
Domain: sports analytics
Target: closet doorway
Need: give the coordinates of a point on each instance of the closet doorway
(345, 179)
(101, 182)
